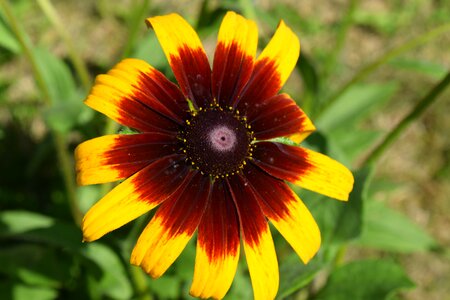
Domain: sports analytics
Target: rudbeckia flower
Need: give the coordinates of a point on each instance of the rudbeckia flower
(206, 153)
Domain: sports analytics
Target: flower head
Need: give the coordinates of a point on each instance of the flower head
(205, 155)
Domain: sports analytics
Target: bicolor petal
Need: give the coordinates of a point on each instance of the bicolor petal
(114, 157)
(257, 240)
(172, 227)
(136, 95)
(306, 168)
(134, 197)
(217, 246)
(272, 68)
(186, 56)
(279, 116)
(286, 212)
(234, 58)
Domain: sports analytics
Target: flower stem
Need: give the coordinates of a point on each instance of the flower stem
(135, 19)
(78, 63)
(416, 112)
(346, 22)
(368, 69)
(59, 140)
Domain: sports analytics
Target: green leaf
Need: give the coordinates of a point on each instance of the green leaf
(435, 70)
(35, 265)
(387, 229)
(347, 146)
(7, 39)
(365, 280)
(354, 105)
(66, 108)
(57, 75)
(295, 275)
(14, 290)
(32, 226)
(114, 280)
(165, 287)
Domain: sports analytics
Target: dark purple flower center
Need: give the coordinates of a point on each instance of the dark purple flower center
(217, 141)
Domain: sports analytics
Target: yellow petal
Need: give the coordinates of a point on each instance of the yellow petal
(133, 197)
(217, 247)
(283, 51)
(172, 227)
(113, 157)
(186, 56)
(234, 58)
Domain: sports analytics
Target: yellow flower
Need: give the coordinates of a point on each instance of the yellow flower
(204, 154)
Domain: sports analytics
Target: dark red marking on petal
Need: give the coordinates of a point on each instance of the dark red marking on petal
(193, 73)
(251, 217)
(264, 83)
(132, 152)
(273, 194)
(182, 212)
(159, 180)
(133, 113)
(162, 96)
(218, 232)
(232, 69)
(282, 161)
(275, 117)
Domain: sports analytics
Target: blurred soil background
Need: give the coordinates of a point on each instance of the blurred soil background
(416, 167)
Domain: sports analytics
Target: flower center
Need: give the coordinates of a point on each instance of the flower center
(217, 141)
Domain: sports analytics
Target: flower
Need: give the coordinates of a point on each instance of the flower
(206, 155)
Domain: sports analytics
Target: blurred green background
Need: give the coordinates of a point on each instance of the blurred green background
(365, 65)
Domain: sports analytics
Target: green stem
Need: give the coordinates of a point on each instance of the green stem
(416, 112)
(368, 69)
(78, 63)
(59, 140)
(66, 166)
(347, 21)
(26, 46)
(135, 20)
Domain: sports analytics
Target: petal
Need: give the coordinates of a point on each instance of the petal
(280, 116)
(113, 157)
(234, 57)
(217, 246)
(138, 96)
(308, 169)
(286, 212)
(172, 227)
(134, 197)
(272, 67)
(186, 56)
(257, 239)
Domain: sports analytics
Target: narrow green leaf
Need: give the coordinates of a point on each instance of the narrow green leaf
(387, 229)
(7, 39)
(56, 75)
(366, 279)
(433, 69)
(355, 104)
